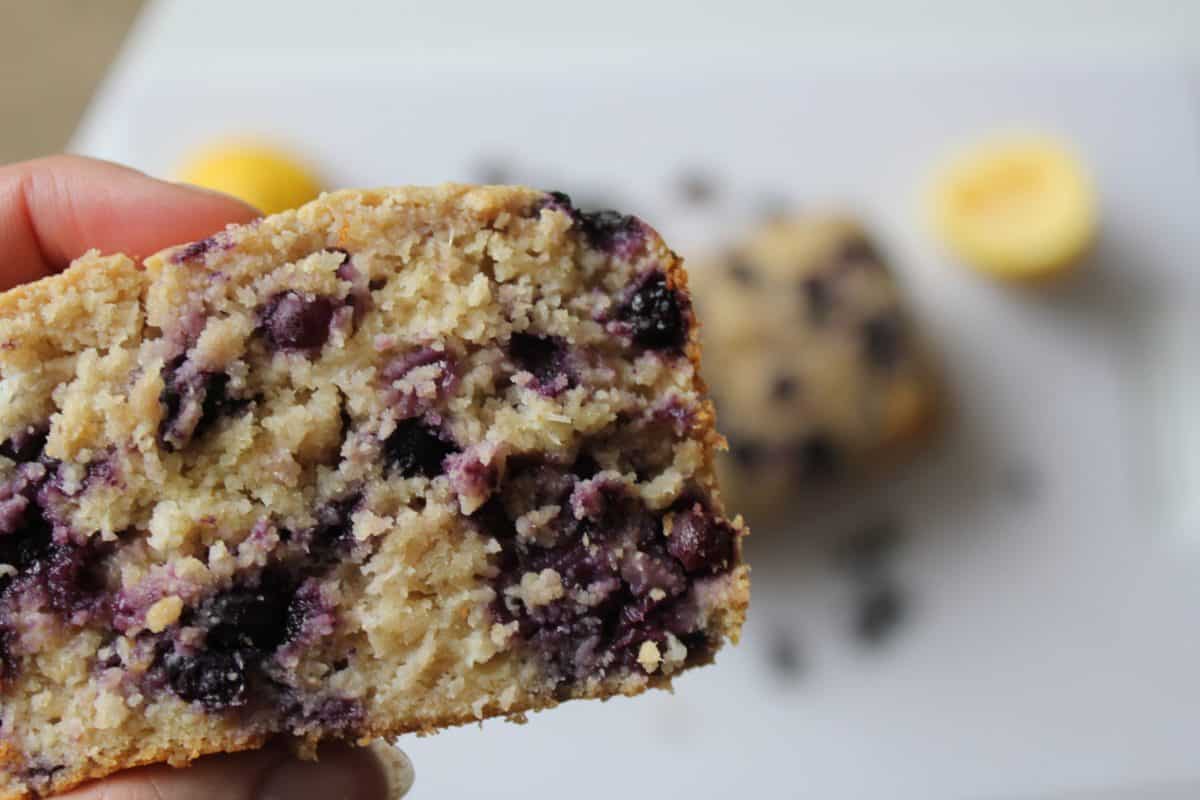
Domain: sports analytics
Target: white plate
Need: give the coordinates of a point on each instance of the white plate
(1052, 644)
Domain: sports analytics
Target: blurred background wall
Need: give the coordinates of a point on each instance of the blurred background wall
(54, 54)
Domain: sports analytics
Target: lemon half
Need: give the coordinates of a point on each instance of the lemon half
(1020, 208)
(266, 177)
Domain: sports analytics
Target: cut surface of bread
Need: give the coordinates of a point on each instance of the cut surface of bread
(396, 460)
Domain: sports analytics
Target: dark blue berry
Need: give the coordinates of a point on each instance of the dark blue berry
(606, 230)
(246, 619)
(25, 529)
(616, 553)
(193, 250)
(26, 445)
(294, 321)
(612, 232)
(40, 773)
(334, 716)
(655, 315)
(741, 271)
(817, 297)
(215, 679)
(491, 519)
(29, 544)
(883, 340)
(331, 536)
(185, 388)
(585, 466)
(784, 388)
(746, 452)
(700, 541)
(73, 576)
(8, 662)
(414, 449)
(545, 357)
(816, 456)
(559, 201)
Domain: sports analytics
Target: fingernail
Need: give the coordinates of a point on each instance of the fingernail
(396, 766)
(341, 773)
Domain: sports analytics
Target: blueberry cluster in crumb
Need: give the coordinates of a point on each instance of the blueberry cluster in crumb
(627, 574)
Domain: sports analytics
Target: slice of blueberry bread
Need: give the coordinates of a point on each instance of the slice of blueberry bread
(392, 461)
(814, 364)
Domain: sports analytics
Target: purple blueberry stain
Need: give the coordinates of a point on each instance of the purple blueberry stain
(26, 529)
(702, 543)
(608, 231)
(25, 445)
(359, 298)
(335, 716)
(194, 250)
(416, 448)
(242, 628)
(71, 578)
(294, 321)
(622, 584)
(332, 537)
(8, 659)
(40, 774)
(545, 358)
(193, 400)
(612, 232)
(310, 615)
(655, 313)
(473, 474)
(51, 567)
(404, 394)
(556, 201)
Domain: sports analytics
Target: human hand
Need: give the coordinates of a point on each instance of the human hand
(53, 210)
(273, 773)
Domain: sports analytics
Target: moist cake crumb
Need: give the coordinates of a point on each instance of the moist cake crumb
(395, 460)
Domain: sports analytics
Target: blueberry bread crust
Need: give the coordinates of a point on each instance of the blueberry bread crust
(816, 367)
(396, 460)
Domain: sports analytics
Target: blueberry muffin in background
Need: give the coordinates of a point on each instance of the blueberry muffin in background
(396, 460)
(815, 367)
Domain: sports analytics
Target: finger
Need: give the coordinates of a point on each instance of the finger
(342, 773)
(52, 210)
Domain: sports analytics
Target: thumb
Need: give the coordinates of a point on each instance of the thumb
(54, 209)
(377, 772)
